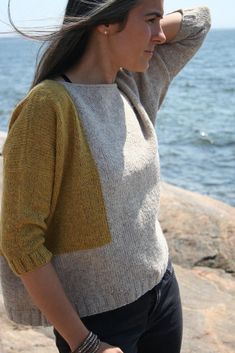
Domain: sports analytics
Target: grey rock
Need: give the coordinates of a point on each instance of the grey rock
(200, 231)
(208, 298)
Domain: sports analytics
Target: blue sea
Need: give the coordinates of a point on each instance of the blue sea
(196, 124)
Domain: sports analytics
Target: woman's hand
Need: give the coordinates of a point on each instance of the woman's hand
(106, 348)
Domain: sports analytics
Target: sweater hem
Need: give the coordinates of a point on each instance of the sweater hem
(33, 317)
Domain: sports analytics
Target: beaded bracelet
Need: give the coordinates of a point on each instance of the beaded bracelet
(90, 345)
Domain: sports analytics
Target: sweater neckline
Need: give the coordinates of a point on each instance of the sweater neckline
(88, 85)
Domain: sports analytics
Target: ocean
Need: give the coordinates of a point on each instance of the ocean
(195, 126)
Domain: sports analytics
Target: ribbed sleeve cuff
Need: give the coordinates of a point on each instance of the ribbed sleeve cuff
(31, 262)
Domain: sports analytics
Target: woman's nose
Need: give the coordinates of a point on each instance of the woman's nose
(158, 35)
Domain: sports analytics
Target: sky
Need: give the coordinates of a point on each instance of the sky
(35, 13)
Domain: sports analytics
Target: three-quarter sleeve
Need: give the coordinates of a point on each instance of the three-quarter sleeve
(29, 163)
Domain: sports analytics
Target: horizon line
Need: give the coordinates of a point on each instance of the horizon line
(15, 35)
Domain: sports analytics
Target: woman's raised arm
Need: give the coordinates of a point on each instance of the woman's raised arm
(185, 31)
(171, 25)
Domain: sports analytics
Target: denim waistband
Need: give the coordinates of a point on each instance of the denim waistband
(169, 266)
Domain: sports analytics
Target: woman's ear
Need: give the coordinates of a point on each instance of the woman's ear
(108, 29)
(103, 29)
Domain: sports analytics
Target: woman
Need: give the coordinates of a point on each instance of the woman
(81, 243)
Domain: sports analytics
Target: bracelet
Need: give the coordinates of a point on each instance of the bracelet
(90, 345)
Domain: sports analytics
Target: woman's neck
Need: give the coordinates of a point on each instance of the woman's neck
(95, 67)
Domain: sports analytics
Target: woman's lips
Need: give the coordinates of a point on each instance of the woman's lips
(150, 52)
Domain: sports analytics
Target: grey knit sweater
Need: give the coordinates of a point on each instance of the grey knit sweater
(118, 125)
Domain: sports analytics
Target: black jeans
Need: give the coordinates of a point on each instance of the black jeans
(151, 324)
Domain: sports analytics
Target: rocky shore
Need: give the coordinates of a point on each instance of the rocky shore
(201, 237)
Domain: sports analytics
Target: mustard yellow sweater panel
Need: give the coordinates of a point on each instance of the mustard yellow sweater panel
(52, 198)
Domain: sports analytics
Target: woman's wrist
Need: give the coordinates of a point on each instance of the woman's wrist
(77, 337)
(91, 344)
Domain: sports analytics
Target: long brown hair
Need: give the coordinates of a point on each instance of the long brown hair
(66, 46)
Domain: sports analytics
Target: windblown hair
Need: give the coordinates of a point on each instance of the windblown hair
(67, 45)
